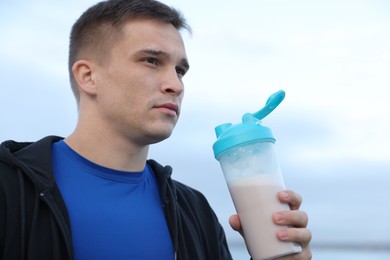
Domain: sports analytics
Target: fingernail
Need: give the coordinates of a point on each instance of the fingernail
(279, 217)
(285, 195)
(282, 234)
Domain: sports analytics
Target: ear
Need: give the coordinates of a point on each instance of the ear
(83, 74)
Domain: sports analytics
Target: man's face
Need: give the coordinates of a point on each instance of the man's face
(140, 88)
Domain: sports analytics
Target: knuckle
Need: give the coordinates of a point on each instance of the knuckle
(305, 219)
(297, 218)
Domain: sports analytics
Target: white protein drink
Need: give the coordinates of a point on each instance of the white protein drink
(255, 199)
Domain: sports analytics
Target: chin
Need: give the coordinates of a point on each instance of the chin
(159, 136)
(157, 139)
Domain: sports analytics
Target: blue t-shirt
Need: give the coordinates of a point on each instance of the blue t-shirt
(113, 214)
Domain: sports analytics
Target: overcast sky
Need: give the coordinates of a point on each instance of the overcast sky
(333, 128)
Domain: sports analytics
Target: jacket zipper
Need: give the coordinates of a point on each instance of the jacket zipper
(23, 214)
(46, 197)
(170, 212)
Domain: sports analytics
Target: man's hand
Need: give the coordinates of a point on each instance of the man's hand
(296, 221)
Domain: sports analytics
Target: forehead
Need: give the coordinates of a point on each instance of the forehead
(151, 34)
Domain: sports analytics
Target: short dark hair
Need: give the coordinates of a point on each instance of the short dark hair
(101, 24)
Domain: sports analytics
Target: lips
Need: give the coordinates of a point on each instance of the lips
(169, 106)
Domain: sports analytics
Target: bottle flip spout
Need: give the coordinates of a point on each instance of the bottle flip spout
(251, 129)
(272, 102)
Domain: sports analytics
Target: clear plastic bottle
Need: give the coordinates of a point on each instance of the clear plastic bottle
(248, 160)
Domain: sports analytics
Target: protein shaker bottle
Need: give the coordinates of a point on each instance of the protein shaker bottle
(248, 160)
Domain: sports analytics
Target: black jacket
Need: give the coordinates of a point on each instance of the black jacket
(34, 222)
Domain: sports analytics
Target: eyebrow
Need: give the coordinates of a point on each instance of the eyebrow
(184, 62)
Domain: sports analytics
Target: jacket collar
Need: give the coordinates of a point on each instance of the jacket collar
(163, 176)
(34, 159)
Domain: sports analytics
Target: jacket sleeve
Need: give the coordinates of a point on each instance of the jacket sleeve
(2, 217)
(10, 222)
(224, 249)
(202, 236)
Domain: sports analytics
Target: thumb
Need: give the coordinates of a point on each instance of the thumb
(235, 223)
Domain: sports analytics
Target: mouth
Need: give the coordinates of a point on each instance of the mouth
(170, 108)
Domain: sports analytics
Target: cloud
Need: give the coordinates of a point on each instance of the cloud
(332, 129)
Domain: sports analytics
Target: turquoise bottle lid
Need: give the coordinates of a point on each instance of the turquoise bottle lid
(250, 130)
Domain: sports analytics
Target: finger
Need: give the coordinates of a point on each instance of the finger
(235, 223)
(299, 235)
(305, 254)
(291, 198)
(294, 218)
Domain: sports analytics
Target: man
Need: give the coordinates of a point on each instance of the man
(94, 195)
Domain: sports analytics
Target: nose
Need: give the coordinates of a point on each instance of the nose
(172, 84)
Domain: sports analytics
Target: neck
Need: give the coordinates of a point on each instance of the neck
(108, 150)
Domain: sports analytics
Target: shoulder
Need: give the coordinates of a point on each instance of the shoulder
(189, 200)
(27, 160)
(9, 164)
(8, 177)
(193, 201)
(189, 192)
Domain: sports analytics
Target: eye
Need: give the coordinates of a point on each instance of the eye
(151, 60)
(180, 71)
